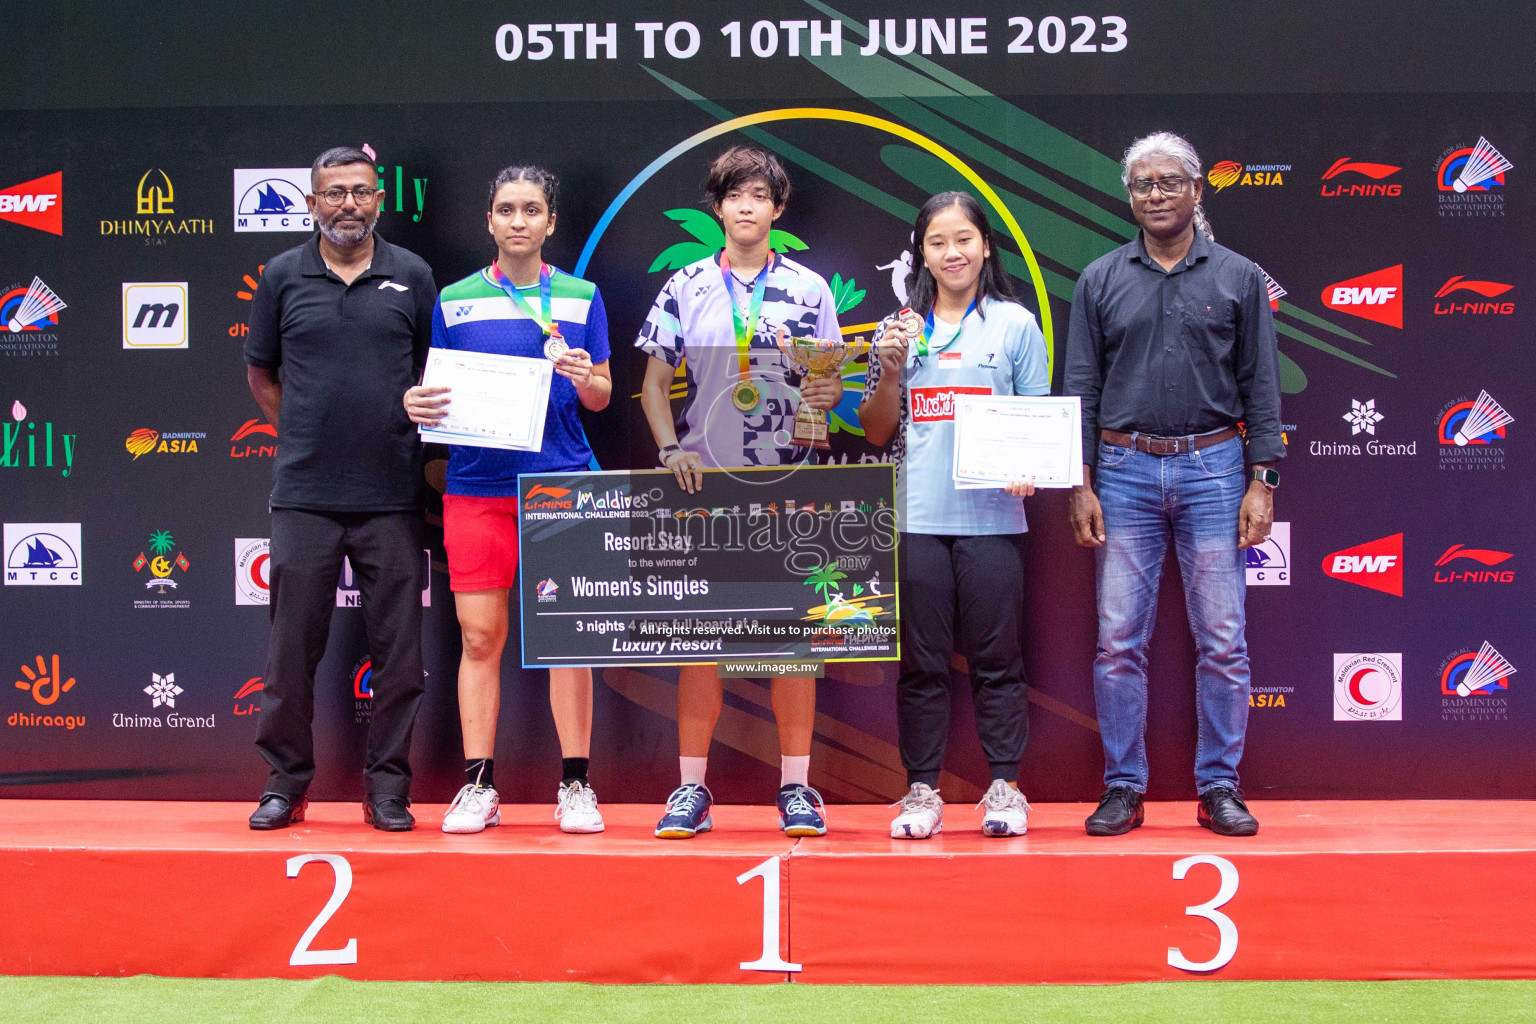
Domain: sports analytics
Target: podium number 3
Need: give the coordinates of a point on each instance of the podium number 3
(770, 960)
(303, 956)
(1211, 911)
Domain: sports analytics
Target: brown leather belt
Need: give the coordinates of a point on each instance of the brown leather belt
(1169, 445)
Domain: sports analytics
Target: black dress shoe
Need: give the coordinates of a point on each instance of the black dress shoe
(1223, 812)
(278, 811)
(388, 813)
(1120, 810)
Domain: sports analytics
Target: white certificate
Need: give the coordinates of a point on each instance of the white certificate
(495, 401)
(999, 438)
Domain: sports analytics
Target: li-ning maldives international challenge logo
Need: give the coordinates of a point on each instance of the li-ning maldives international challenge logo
(1474, 686)
(1472, 434)
(1470, 180)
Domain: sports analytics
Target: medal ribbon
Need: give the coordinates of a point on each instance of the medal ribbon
(745, 326)
(928, 327)
(546, 322)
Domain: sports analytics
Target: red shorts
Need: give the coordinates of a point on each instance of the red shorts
(481, 537)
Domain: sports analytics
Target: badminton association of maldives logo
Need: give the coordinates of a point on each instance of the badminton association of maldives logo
(1472, 433)
(29, 319)
(1474, 685)
(1471, 181)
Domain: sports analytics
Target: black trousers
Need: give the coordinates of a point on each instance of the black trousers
(307, 550)
(970, 590)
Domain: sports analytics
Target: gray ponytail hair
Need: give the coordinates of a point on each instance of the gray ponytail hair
(1175, 147)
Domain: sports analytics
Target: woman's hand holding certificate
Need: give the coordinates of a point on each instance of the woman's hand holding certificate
(1001, 439)
(476, 398)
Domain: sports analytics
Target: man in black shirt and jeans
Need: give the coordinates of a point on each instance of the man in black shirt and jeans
(1171, 346)
(339, 330)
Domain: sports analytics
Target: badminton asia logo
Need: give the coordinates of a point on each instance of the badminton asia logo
(1474, 686)
(1229, 172)
(1368, 687)
(1471, 181)
(175, 442)
(1472, 434)
(29, 317)
(1457, 304)
(1349, 184)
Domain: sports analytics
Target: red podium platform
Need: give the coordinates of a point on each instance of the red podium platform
(1326, 890)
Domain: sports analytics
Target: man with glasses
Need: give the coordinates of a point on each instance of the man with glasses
(339, 330)
(1171, 347)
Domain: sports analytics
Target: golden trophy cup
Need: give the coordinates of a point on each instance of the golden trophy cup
(818, 358)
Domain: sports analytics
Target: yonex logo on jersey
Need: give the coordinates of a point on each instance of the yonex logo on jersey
(935, 405)
(462, 309)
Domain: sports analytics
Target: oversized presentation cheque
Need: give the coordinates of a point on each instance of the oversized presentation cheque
(626, 568)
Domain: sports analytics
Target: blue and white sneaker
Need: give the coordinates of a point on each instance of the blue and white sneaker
(687, 812)
(801, 812)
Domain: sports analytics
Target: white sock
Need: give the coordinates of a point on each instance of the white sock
(692, 769)
(794, 771)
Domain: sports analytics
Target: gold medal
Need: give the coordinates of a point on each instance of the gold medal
(746, 395)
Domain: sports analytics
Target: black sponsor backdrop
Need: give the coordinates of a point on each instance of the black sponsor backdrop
(198, 94)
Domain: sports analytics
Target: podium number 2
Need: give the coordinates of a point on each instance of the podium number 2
(1211, 911)
(770, 960)
(303, 956)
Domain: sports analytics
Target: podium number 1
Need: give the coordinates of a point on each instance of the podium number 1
(303, 956)
(1211, 911)
(770, 960)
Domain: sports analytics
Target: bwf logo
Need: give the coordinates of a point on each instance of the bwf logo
(1377, 565)
(155, 315)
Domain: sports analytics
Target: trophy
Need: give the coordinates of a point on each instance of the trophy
(819, 358)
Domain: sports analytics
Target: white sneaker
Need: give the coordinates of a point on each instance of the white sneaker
(1007, 811)
(922, 813)
(577, 808)
(472, 810)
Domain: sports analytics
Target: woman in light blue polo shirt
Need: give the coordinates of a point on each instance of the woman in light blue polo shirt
(963, 545)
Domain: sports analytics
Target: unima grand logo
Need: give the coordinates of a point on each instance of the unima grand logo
(37, 204)
(42, 555)
(1377, 296)
(1377, 565)
(1470, 180)
(252, 570)
(1359, 179)
(937, 404)
(155, 314)
(1474, 686)
(1472, 298)
(29, 318)
(1472, 434)
(1368, 687)
(272, 199)
(1363, 418)
(1269, 562)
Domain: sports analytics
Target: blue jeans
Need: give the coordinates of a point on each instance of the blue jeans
(1194, 500)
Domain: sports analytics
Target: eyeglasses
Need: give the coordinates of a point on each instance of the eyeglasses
(1169, 186)
(362, 195)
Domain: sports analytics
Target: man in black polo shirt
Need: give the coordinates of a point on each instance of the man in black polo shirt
(1171, 346)
(339, 330)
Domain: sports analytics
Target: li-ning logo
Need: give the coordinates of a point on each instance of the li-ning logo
(1375, 296)
(936, 405)
(251, 685)
(1487, 289)
(37, 204)
(1481, 556)
(1377, 565)
(253, 451)
(1375, 172)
